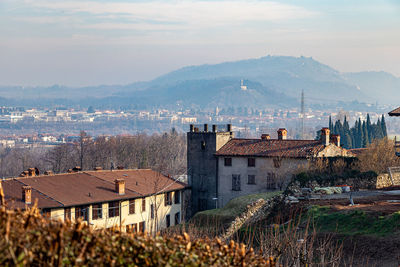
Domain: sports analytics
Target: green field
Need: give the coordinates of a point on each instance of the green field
(354, 222)
(232, 209)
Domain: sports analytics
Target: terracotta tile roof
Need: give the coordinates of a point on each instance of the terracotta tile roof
(12, 189)
(271, 148)
(76, 188)
(72, 189)
(395, 112)
(142, 181)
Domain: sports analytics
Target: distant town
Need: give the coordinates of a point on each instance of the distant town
(33, 127)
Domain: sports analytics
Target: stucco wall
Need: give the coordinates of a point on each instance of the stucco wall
(151, 225)
(283, 173)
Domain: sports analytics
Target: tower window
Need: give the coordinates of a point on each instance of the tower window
(203, 145)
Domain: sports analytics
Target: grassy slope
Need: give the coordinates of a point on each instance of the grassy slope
(232, 209)
(354, 222)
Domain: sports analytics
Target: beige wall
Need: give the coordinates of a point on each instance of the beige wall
(283, 174)
(151, 225)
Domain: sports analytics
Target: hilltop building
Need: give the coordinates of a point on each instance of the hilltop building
(221, 167)
(132, 200)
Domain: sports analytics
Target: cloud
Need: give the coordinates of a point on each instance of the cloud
(175, 15)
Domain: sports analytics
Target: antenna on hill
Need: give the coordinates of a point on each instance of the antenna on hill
(302, 111)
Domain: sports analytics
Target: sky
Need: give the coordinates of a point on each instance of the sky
(82, 43)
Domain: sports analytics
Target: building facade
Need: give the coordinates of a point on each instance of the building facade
(221, 167)
(129, 200)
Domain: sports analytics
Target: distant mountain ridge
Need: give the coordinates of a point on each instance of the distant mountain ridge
(272, 81)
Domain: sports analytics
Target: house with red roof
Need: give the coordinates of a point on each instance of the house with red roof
(222, 167)
(129, 200)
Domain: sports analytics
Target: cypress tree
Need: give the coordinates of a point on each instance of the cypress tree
(365, 140)
(360, 133)
(383, 126)
(369, 129)
(330, 124)
(347, 142)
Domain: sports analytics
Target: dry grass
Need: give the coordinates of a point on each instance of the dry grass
(29, 239)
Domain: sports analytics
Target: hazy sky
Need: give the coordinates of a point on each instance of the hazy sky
(75, 43)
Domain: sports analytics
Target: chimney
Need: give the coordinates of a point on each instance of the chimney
(77, 168)
(325, 132)
(120, 186)
(335, 139)
(282, 134)
(191, 128)
(32, 172)
(229, 127)
(27, 194)
(265, 137)
(214, 128)
(206, 127)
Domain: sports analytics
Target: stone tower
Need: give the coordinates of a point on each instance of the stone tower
(202, 164)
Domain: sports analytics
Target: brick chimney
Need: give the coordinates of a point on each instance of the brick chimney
(282, 134)
(32, 172)
(325, 132)
(335, 139)
(120, 186)
(265, 137)
(27, 194)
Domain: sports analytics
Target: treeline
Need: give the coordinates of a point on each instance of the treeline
(361, 134)
(162, 152)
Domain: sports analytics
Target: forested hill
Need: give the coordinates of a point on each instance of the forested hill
(272, 81)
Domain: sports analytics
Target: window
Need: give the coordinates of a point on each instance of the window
(277, 162)
(251, 179)
(82, 212)
(143, 204)
(97, 211)
(113, 209)
(168, 220)
(236, 182)
(251, 162)
(228, 161)
(67, 214)
(167, 199)
(152, 211)
(141, 226)
(271, 183)
(131, 228)
(203, 145)
(46, 213)
(177, 218)
(177, 197)
(131, 206)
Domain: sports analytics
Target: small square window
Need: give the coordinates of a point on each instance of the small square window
(228, 161)
(251, 179)
(251, 162)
